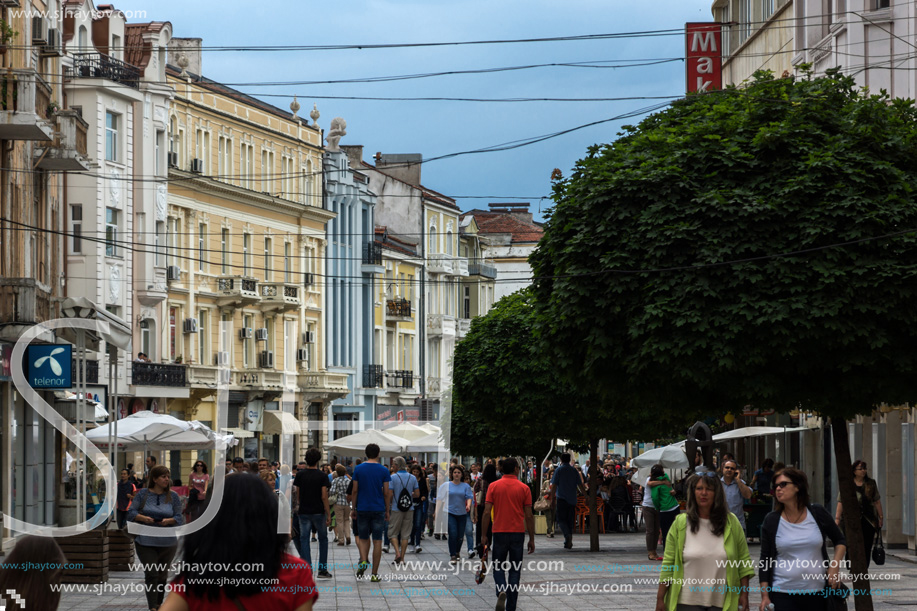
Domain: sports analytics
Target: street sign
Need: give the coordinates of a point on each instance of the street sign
(49, 366)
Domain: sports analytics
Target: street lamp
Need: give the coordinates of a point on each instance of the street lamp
(74, 308)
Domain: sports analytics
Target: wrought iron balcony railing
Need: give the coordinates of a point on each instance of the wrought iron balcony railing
(399, 379)
(99, 65)
(373, 376)
(372, 253)
(158, 374)
(92, 372)
(398, 308)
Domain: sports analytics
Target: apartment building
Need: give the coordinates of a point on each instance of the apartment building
(243, 239)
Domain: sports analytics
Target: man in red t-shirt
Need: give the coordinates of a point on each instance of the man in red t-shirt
(511, 502)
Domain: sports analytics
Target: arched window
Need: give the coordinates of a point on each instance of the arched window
(84, 39)
(148, 337)
(432, 241)
(449, 241)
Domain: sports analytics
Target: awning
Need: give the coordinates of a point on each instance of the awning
(239, 433)
(119, 332)
(276, 422)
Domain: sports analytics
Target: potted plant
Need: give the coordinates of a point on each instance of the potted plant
(7, 33)
(53, 107)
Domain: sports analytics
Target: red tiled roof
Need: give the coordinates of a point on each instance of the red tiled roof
(492, 222)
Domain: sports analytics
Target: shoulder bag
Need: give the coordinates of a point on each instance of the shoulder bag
(878, 550)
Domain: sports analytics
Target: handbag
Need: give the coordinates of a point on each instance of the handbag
(878, 550)
(836, 598)
(541, 504)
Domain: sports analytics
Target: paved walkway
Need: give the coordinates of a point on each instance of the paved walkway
(611, 579)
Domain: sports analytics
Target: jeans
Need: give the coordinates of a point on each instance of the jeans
(456, 530)
(566, 513)
(508, 547)
(420, 518)
(307, 523)
(122, 519)
(155, 577)
(469, 532)
(666, 519)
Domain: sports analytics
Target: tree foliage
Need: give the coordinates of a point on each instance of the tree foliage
(749, 246)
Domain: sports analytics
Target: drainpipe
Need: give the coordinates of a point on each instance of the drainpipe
(423, 304)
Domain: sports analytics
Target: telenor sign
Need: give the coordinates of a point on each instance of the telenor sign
(49, 366)
(703, 67)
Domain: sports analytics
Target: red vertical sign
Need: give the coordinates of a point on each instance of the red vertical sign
(704, 60)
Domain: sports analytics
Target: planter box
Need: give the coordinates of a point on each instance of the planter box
(89, 549)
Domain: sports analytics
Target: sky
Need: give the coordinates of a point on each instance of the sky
(436, 128)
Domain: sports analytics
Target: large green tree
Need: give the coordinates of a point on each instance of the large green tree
(750, 246)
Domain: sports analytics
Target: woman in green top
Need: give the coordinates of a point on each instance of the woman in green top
(663, 500)
(706, 565)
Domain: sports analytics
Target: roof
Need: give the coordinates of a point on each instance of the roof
(394, 243)
(497, 222)
(137, 52)
(428, 194)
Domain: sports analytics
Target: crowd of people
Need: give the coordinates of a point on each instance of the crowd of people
(481, 509)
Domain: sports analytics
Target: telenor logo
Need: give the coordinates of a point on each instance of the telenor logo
(52, 362)
(49, 366)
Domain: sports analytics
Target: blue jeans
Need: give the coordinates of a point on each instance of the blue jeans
(469, 531)
(308, 522)
(508, 547)
(420, 518)
(456, 530)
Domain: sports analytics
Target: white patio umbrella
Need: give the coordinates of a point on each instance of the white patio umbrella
(145, 430)
(431, 428)
(670, 457)
(407, 430)
(355, 445)
(427, 443)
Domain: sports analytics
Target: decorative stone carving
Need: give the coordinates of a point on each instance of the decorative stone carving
(183, 63)
(114, 187)
(295, 106)
(337, 131)
(315, 115)
(114, 284)
(160, 113)
(162, 196)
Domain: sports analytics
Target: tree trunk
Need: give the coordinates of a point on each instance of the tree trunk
(593, 490)
(852, 527)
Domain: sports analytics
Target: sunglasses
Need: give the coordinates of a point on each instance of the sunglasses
(782, 484)
(705, 473)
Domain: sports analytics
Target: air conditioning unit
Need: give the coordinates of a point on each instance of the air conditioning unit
(221, 359)
(54, 46)
(266, 360)
(302, 354)
(246, 333)
(308, 337)
(173, 159)
(197, 166)
(260, 335)
(39, 32)
(173, 272)
(190, 325)
(308, 279)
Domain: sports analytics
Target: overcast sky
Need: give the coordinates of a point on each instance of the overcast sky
(435, 128)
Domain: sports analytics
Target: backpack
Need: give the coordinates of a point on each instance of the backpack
(405, 501)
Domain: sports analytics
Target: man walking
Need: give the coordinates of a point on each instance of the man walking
(735, 489)
(372, 500)
(314, 511)
(511, 502)
(563, 487)
(402, 511)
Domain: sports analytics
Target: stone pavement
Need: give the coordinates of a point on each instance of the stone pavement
(617, 577)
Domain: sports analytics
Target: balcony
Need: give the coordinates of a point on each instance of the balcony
(440, 324)
(373, 376)
(434, 385)
(24, 300)
(372, 258)
(399, 379)
(478, 267)
(321, 385)
(156, 287)
(68, 151)
(462, 327)
(460, 267)
(92, 372)
(237, 290)
(160, 375)
(398, 310)
(99, 65)
(204, 375)
(439, 263)
(24, 101)
(279, 296)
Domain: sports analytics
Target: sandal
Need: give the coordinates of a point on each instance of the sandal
(653, 556)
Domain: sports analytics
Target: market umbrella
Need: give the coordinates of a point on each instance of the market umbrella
(407, 430)
(355, 445)
(145, 430)
(670, 457)
(427, 443)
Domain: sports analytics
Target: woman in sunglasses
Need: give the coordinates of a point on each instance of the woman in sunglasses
(793, 553)
(197, 491)
(871, 518)
(706, 545)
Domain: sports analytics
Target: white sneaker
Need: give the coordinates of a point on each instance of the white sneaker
(385, 549)
(417, 549)
(471, 553)
(414, 548)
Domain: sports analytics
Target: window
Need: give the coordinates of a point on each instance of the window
(84, 39)
(248, 345)
(224, 250)
(226, 333)
(269, 342)
(310, 327)
(286, 178)
(111, 232)
(289, 345)
(115, 46)
(203, 337)
(883, 4)
(173, 320)
(267, 259)
(159, 246)
(287, 263)
(467, 300)
(449, 241)
(160, 138)
(246, 166)
(267, 171)
(201, 246)
(111, 136)
(147, 333)
(744, 20)
(432, 245)
(246, 254)
(305, 187)
(76, 228)
(410, 287)
(224, 158)
(173, 256)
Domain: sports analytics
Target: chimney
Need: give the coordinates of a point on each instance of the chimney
(191, 49)
(518, 211)
(404, 167)
(354, 155)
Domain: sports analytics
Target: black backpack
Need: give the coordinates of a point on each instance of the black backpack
(405, 501)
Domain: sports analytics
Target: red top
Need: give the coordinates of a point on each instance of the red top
(294, 588)
(509, 498)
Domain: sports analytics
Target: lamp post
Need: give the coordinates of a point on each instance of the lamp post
(75, 311)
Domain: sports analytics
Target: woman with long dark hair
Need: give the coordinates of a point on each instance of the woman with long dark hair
(488, 477)
(706, 544)
(32, 585)
(793, 552)
(243, 536)
(197, 489)
(869, 500)
(126, 491)
(156, 505)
